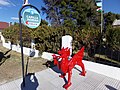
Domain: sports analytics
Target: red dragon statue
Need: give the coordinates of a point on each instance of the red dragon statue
(66, 65)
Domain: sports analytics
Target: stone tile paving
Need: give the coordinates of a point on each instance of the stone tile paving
(49, 80)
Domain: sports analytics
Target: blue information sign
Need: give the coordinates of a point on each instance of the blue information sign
(31, 18)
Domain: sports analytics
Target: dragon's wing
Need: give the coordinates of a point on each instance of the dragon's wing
(79, 54)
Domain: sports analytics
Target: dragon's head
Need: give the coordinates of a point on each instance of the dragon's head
(64, 51)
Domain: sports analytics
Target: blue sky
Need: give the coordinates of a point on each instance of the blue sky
(9, 8)
(111, 5)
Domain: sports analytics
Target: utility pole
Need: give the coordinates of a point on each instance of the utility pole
(102, 17)
(25, 2)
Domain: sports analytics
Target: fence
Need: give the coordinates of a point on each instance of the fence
(103, 54)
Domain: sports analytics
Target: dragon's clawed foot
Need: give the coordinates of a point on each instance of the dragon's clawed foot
(83, 73)
(67, 85)
(62, 75)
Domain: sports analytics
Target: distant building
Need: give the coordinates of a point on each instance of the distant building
(116, 23)
(4, 25)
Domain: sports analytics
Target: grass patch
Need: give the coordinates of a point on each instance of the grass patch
(11, 68)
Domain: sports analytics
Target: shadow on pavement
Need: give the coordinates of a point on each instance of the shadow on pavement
(51, 65)
(110, 87)
(31, 82)
(3, 57)
(77, 69)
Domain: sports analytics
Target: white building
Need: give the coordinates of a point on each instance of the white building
(116, 23)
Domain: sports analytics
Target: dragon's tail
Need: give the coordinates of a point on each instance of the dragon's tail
(79, 54)
(81, 51)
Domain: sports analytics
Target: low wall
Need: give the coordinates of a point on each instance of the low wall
(106, 70)
(26, 51)
(2, 38)
(47, 55)
(17, 48)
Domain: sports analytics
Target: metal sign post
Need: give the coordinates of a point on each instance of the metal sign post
(21, 41)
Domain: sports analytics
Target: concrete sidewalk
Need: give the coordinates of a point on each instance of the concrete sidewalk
(49, 80)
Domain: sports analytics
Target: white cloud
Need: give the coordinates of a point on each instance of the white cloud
(14, 18)
(6, 3)
(11, 3)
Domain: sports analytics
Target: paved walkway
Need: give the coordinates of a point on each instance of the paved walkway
(49, 80)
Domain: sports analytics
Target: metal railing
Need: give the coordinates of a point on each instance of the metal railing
(103, 54)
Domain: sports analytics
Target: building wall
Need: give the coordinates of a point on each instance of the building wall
(4, 25)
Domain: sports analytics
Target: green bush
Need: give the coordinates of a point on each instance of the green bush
(113, 37)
